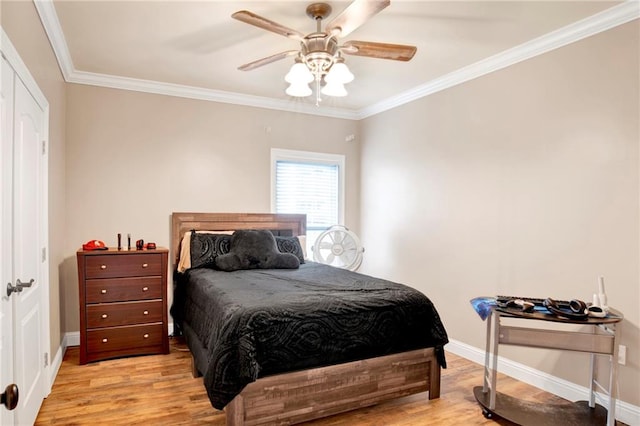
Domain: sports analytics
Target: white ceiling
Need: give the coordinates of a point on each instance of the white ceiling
(196, 47)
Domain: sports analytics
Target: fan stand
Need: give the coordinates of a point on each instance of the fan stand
(339, 247)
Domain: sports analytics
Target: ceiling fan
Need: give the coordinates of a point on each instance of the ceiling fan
(320, 55)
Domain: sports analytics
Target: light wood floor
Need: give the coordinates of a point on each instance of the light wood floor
(159, 390)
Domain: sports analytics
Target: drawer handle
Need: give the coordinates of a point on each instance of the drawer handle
(103, 266)
(104, 340)
(145, 313)
(104, 316)
(103, 291)
(144, 265)
(145, 288)
(146, 336)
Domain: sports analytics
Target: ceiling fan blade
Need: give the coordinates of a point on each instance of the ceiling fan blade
(396, 52)
(356, 14)
(267, 60)
(264, 23)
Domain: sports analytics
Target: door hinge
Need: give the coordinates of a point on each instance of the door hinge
(46, 359)
(44, 147)
(44, 254)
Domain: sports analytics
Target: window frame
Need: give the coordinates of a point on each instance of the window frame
(278, 154)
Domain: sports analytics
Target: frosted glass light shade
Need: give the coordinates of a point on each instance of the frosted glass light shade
(299, 74)
(335, 89)
(299, 90)
(339, 73)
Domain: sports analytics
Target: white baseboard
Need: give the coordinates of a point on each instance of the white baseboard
(56, 362)
(71, 339)
(625, 412)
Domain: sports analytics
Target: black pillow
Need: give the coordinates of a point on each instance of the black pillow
(290, 245)
(206, 247)
(255, 249)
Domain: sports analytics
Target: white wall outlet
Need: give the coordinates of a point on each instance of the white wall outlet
(622, 355)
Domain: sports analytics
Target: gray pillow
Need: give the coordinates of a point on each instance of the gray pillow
(290, 245)
(206, 247)
(255, 249)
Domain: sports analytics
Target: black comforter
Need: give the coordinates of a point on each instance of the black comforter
(256, 323)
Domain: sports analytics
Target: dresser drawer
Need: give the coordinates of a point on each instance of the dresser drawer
(122, 289)
(123, 313)
(132, 265)
(126, 337)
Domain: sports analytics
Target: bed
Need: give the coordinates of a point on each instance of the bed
(291, 344)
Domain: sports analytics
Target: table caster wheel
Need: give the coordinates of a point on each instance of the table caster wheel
(487, 414)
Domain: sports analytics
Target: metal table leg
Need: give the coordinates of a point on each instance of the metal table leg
(593, 380)
(613, 377)
(487, 355)
(494, 368)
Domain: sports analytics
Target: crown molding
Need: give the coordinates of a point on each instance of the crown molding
(191, 92)
(51, 24)
(605, 20)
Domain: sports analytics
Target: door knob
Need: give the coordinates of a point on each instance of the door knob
(19, 286)
(9, 397)
(12, 289)
(23, 285)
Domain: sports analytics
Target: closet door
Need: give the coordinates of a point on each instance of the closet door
(28, 255)
(23, 317)
(6, 258)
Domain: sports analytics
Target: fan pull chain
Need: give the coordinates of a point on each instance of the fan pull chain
(318, 99)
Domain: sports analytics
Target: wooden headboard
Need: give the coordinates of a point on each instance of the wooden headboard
(183, 222)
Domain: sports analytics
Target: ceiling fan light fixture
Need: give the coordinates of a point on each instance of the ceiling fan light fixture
(299, 89)
(299, 74)
(339, 73)
(334, 88)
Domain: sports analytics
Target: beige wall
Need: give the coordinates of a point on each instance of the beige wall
(521, 182)
(133, 158)
(525, 181)
(22, 25)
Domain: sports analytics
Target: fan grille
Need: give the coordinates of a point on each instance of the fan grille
(339, 247)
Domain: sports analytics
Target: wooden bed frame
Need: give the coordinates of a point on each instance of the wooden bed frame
(318, 392)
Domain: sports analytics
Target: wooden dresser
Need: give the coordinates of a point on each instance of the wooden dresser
(123, 303)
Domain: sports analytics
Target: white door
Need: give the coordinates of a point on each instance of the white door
(23, 243)
(28, 135)
(6, 302)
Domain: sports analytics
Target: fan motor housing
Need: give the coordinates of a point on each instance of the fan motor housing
(318, 50)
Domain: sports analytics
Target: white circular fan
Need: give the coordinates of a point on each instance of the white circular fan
(337, 246)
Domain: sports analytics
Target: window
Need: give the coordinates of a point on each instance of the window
(310, 183)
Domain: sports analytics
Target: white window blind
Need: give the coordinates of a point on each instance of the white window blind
(309, 188)
(309, 183)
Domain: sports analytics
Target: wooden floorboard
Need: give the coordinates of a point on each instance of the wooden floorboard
(159, 390)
